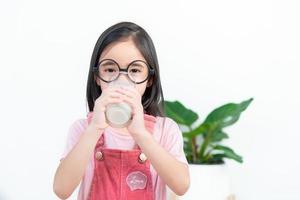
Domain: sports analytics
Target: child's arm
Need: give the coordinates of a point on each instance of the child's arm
(71, 169)
(173, 172)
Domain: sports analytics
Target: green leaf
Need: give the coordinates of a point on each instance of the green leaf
(227, 114)
(218, 136)
(179, 113)
(229, 153)
(201, 129)
(208, 150)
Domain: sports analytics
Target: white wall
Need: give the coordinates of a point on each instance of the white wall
(210, 53)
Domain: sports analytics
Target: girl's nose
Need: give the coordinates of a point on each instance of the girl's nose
(124, 77)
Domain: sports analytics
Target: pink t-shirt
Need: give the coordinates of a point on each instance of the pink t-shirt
(167, 134)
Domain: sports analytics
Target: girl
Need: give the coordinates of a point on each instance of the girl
(135, 162)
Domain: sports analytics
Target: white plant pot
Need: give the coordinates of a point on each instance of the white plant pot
(208, 182)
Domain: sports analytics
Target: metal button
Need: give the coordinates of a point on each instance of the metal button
(99, 155)
(142, 158)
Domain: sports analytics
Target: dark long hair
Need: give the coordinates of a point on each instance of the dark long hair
(152, 99)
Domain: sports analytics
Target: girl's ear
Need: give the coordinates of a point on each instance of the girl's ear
(97, 80)
(149, 83)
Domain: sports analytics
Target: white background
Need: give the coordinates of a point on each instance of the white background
(210, 53)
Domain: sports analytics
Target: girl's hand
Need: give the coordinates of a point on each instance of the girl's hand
(134, 99)
(108, 96)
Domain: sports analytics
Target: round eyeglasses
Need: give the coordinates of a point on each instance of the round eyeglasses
(109, 70)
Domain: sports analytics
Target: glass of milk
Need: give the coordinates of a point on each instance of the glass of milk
(119, 115)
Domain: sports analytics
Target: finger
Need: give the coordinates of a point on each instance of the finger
(131, 90)
(112, 100)
(131, 93)
(115, 94)
(126, 93)
(110, 90)
(132, 103)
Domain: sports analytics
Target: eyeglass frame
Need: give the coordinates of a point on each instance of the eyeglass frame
(123, 71)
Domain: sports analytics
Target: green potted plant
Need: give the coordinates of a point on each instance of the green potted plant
(203, 142)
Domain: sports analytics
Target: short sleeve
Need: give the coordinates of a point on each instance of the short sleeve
(74, 133)
(172, 140)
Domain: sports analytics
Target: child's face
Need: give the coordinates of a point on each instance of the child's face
(123, 52)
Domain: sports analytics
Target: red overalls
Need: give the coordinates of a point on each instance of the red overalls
(121, 174)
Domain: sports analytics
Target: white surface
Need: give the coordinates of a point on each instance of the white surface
(210, 53)
(209, 182)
